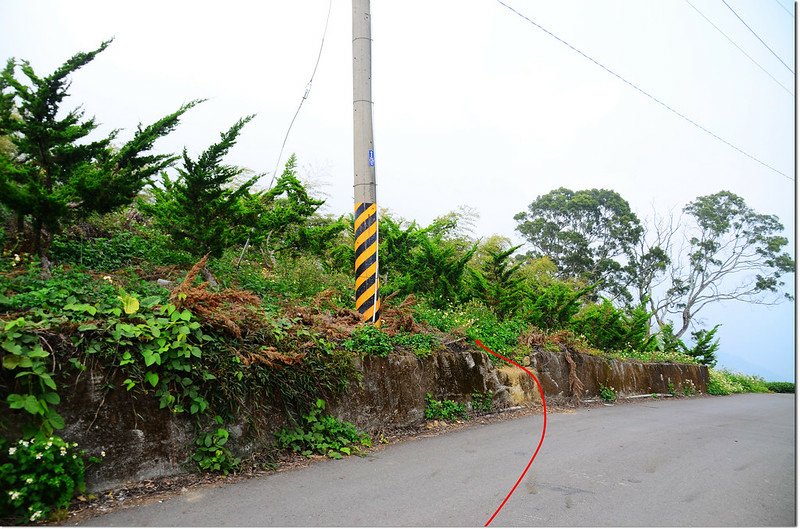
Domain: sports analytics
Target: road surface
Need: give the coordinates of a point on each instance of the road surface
(715, 461)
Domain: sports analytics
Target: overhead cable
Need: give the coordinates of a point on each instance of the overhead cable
(305, 95)
(756, 35)
(652, 97)
(286, 137)
(784, 8)
(740, 49)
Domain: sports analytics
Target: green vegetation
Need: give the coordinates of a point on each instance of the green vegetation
(724, 382)
(52, 174)
(607, 393)
(212, 454)
(368, 340)
(419, 343)
(446, 410)
(115, 260)
(482, 402)
(39, 476)
(781, 387)
(323, 434)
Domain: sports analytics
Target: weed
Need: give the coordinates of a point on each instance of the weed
(781, 387)
(370, 340)
(446, 410)
(39, 476)
(323, 434)
(420, 344)
(724, 382)
(607, 393)
(212, 455)
(482, 402)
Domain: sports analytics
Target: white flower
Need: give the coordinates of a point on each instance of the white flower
(74, 445)
(108, 278)
(102, 454)
(29, 481)
(14, 494)
(38, 456)
(12, 450)
(24, 443)
(74, 456)
(35, 516)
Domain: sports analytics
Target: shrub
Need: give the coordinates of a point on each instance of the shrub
(212, 455)
(607, 393)
(420, 344)
(323, 434)
(370, 340)
(482, 402)
(609, 328)
(305, 277)
(781, 387)
(446, 410)
(552, 306)
(724, 382)
(39, 476)
(718, 383)
(118, 250)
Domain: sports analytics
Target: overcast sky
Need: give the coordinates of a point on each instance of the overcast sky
(474, 106)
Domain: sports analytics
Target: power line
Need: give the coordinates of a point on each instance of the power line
(286, 137)
(759, 38)
(784, 8)
(305, 95)
(740, 49)
(701, 127)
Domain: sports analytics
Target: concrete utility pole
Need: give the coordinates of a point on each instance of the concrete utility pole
(368, 302)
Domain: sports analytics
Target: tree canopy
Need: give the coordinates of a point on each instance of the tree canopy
(589, 234)
(734, 254)
(52, 172)
(201, 208)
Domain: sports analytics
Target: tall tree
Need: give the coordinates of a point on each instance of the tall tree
(589, 234)
(498, 282)
(202, 209)
(286, 218)
(733, 254)
(53, 172)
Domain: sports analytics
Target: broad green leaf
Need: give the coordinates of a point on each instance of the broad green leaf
(56, 421)
(31, 404)
(152, 378)
(129, 304)
(12, 347)
(48, 381)
(15, 401)
(12, 362)
(38, 352)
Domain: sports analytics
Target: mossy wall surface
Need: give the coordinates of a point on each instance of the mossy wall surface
(142, 441)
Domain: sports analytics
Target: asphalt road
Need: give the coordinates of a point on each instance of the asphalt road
(716, 461)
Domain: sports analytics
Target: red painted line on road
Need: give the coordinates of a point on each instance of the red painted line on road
(544, 427)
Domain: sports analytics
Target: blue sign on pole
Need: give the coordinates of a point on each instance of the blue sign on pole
(371, 158)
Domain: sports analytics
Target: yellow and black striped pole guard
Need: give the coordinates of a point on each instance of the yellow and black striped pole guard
(368, 302)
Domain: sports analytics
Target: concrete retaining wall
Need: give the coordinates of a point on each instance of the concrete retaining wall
(142, 441)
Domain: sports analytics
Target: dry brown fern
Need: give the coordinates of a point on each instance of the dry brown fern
(271, 357)
(229, 310)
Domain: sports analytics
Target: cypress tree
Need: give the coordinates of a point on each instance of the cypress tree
(53, 173)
